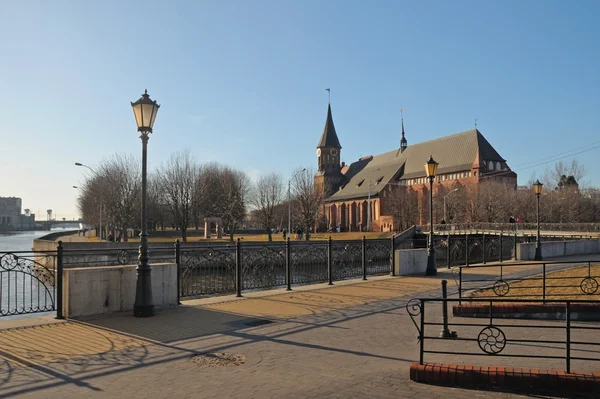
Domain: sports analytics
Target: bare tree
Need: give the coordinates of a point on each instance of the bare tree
(179, 179)
(224, 193)
(308, 199)
(267, 194)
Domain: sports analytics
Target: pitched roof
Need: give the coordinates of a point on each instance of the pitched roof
(329, 138)
(454, 153)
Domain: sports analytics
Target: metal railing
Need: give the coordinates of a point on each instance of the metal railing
(480, 227)
(533, 280)
(503, 338)
(207, 270)
(29, 282)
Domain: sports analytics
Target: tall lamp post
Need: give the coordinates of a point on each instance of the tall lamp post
(537, 189)
(290, 200)
(430, 170)
(144, 111)
(101, 204)
(453, 191)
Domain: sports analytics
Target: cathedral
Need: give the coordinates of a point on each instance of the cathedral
(358, 196)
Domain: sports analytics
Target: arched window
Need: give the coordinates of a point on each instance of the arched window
(491, 165)
(498, 165)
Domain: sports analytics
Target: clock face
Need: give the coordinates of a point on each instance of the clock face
(333, 152)
(318, 152)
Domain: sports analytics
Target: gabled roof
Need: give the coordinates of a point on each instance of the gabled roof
(329, 138)
(455, 153)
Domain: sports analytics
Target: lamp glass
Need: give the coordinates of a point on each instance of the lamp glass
(537, 187)
(431, 167)
(145, 111)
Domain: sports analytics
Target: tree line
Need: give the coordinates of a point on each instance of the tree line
(182, 192)
(563, 200)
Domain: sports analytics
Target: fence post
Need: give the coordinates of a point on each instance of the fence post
(445, 333)
(58, 278)
(467, 249)
(288, 271)
(329, 262)
(178, 262)
(515, 242)
(364, 257)
(544, 283)
(459, 285)
(448, 251)
(483, 247)
(422, 332)
(393, 258)
(501, 250)
(238, 268)
(568, 318)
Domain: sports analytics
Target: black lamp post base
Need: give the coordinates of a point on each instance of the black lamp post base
(431, 267)
(538, 253)
(143, 311)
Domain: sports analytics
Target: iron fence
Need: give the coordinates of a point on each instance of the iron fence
(29, 283)
(567, 340)
(593, 229)
(225, 269)
(529, 280)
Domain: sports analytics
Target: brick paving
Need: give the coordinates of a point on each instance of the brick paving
(353, 340)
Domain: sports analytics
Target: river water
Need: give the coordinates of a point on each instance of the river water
(21, 241)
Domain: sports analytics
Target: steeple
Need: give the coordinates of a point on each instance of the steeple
(329, 138)
(403, 142)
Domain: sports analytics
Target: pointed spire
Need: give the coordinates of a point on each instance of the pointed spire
(403, 142)
(329, 137)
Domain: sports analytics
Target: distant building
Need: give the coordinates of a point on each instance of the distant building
(466, 158)
(11, 218)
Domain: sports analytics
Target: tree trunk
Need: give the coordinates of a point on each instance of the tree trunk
(184, 234)
(270, 234)
(231, 236)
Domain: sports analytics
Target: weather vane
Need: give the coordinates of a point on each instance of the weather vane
(475, 123)
(329, 94)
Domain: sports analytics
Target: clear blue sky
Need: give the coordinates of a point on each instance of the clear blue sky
(243, 83)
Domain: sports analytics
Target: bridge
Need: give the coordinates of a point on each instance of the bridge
(49, 224)
(573, 230)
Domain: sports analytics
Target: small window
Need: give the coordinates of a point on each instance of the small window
(499, 166)
(360, 183)
(379, 180)
(491, 165)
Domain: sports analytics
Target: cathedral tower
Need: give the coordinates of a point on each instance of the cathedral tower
(329, 175)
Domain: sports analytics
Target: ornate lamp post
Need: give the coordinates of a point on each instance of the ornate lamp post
(537, 189)
(144, 111)
(430, 170)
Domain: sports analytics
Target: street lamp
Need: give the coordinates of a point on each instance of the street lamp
(430, 170)
(453, 191)
(537, 189)
(101, 204)
(144, 111)
(290, 200)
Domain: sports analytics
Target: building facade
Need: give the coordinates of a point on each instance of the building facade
(11, 218)
(360, 196)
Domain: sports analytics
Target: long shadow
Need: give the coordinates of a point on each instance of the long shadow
(169, 329)
(142, 329)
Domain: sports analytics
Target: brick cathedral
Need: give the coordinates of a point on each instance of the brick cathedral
(467, 158)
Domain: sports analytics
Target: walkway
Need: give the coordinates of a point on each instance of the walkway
(353, 340)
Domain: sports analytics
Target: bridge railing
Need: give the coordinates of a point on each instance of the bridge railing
(512, 227)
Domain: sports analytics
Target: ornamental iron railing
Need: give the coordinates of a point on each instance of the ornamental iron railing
(225, 269)
(29, 283)
(574, 279)
(566, 339)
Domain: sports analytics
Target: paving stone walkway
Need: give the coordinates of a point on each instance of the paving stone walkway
(353, 340)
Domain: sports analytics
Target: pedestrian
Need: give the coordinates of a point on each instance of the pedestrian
(511, 219)
(110, 237)
(284, 234)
